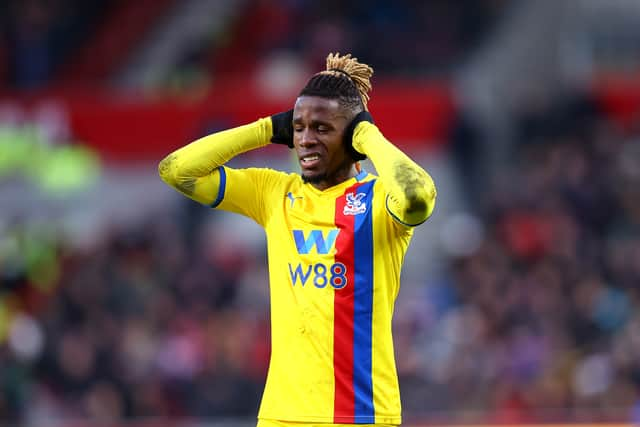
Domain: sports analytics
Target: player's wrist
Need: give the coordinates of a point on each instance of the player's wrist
(358, 145)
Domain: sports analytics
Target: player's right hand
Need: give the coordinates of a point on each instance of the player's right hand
(282, 128)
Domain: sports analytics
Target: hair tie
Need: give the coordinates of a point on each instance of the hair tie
(341, 71)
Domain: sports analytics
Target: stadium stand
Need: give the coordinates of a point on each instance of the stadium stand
(123, 26)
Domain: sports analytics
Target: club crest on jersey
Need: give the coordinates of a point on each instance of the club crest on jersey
(354, 204)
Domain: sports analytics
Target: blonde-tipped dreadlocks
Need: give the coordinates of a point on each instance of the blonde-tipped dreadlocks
(345, 79)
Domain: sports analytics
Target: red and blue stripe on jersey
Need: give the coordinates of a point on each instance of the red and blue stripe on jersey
(353, 309)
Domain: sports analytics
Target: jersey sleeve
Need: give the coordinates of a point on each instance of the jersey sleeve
(252, 192)
(195, 170)
(410, 193)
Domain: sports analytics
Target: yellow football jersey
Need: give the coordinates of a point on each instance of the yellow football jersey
(334, 269)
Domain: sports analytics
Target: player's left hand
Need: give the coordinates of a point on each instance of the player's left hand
(362, 116)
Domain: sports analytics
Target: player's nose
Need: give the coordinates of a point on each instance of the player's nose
(307, 138)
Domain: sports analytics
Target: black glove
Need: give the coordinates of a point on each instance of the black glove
(282, 128)
(362, 116)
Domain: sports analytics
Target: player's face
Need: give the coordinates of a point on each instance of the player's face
(318, 130)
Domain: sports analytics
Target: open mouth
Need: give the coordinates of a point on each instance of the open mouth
(309, 160)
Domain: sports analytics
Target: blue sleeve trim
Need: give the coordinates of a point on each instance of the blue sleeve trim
(398, 220)
(221, 188)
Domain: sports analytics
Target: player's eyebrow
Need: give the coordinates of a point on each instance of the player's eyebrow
(315, 122)
(322, 122)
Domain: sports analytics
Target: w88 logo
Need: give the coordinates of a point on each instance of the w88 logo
(320, 274)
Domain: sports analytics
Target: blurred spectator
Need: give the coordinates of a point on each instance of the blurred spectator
(31, 42)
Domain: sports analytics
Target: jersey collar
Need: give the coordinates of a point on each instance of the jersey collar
(339, 188)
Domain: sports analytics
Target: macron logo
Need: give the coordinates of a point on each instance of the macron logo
(316, 238)
(292, 198)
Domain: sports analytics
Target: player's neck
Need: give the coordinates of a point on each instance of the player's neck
(338, 177)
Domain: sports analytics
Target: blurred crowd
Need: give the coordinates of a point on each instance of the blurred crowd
(430, 37)
(37, 37)
(143, 322)
(40, 39)
(541, 322)
(167, 318)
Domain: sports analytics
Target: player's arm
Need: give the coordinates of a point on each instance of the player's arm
(411, 193)
(194, 169)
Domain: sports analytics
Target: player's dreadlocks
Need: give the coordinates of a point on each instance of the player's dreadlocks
(345, 79)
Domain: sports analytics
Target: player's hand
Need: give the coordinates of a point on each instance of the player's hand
(362, 116)
(282, 128)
